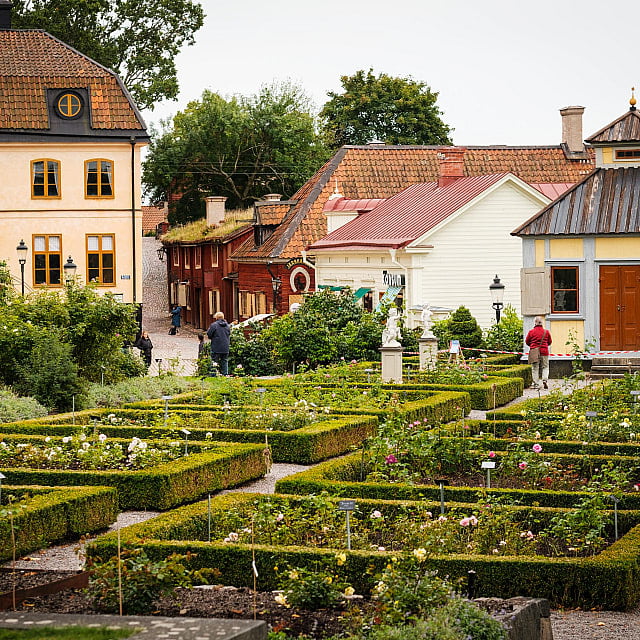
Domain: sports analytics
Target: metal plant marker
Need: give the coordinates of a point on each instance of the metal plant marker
(615, 514)
(488, 465)
(347, 506)
(166, 409)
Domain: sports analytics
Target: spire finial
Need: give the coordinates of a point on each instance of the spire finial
(633, 100)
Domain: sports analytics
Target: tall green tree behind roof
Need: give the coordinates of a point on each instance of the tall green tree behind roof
(138, 39)
(239, 147)
(393, 110)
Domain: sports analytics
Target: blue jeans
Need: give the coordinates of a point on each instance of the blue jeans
(222, 360)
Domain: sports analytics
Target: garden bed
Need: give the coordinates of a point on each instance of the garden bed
(165, 485)
(608, 579)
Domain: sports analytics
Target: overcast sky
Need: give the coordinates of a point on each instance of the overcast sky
(502, 68)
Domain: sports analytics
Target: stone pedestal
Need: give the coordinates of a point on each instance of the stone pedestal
(391, 364)
(428, 346)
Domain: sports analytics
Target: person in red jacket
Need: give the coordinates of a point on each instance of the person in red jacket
(540, 338)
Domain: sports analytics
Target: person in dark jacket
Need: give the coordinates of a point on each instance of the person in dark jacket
(146, 346)
(219, 332)
(176, 314)
(539, 338)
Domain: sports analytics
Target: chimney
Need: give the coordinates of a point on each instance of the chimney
(5, 14)
(215, 210)
(451, 165)
(272, 197)
(572, 128)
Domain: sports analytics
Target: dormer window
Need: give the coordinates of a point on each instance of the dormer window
(69, 105)
(627, 154)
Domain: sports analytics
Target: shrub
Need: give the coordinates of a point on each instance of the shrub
(142, 580)
(464, 327)
(50, 374)
(13, 407)
(507, 334)
(251, 351)
(135, 390)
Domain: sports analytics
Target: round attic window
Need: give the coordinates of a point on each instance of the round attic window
(69, 105)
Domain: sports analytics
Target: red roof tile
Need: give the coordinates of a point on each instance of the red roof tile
(152, 217)
(33, 61)
(382, 171)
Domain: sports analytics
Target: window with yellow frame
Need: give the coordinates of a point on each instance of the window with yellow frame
(98, 178)
(101, 259)
(45, 178)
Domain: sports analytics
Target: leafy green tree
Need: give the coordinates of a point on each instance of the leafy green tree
(238, 147)
(394, 110)
(50, 375)
(507, 334)
(138, 39)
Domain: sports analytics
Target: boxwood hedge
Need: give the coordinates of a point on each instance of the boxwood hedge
(43, 515)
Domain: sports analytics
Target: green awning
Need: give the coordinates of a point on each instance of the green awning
(360, 293)
(388, 296)
(328, 286)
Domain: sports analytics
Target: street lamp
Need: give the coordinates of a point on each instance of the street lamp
(275, 283)
(160, 252)
(22, 259)
(497, 295)
(70, 268)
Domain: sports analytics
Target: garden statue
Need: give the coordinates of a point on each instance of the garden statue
(391, 332)
(425, 317)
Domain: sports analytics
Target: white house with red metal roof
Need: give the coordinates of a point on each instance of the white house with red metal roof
(439, 243)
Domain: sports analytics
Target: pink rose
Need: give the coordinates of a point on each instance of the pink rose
(523, 465)
(537, 447)
(492, 454)
(390, 459)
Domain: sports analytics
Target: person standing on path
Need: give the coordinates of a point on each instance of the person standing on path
(538, 341)
(176, 314)
(146, 346)
(219, 332)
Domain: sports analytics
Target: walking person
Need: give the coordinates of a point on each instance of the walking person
(538, 341)
(219, 333)
(176, 314)
(146, 347)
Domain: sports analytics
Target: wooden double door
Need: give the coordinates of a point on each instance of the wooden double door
(620, 307)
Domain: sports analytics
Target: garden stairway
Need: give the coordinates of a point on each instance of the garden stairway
(614, 367)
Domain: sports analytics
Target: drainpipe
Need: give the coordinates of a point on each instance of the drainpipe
(305, 261)
(134, 238)
(392, 254)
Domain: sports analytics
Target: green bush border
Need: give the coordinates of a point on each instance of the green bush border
(54, 514)
(608, 580)
(166, 485)
(334, 477)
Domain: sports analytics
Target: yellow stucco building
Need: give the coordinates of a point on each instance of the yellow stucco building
(70, 141)
(581, 253)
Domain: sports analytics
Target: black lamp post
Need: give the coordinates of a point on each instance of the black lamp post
(275, 283)
(160, 253)
(497, 295)
(70, 268)
(22, 259)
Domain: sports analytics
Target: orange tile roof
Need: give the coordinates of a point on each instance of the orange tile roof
(33, 61)
(272, 213)
(379, 171)
(152, 217)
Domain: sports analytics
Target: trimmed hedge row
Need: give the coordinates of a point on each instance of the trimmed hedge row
(486, 427)
(315, 442)
(337, 478)
(50, 515)
(166, 485)
(608, 580)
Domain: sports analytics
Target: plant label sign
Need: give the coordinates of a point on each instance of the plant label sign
(346, 505)
(454, 346)
(488, 464)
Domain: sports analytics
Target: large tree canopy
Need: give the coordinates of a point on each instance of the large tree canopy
(138, 39)
(238, 147)
(392, 110)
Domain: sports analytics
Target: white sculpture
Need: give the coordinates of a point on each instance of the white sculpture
(391, 331)
(426, 318)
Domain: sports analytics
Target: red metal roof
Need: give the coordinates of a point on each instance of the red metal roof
(408, 215)
(552, 190)
(347, 204)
